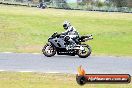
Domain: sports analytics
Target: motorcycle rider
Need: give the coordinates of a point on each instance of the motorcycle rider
(71, 35)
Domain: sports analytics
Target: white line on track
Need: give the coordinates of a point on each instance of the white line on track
(2, 70)
(20, 53)
(25, 71)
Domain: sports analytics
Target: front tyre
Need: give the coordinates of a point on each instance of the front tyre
(86, 52)
(49, 50)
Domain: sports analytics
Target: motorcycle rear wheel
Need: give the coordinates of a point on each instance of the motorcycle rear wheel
(85, 54)
(49, 50)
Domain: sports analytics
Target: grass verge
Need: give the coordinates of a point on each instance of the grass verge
(42, 80)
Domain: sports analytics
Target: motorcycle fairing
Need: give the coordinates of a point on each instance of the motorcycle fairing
(58, 42)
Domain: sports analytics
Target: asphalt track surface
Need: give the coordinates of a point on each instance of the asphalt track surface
(21, 62)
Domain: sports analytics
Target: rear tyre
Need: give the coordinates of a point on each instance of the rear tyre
(49, 50)
(86, 52)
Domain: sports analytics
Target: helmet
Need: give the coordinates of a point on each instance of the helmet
(66, 24)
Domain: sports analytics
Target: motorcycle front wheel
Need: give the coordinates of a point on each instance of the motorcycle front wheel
(86, 52)
(49, 50)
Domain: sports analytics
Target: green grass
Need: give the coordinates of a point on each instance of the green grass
(42, 80)
(25, 29)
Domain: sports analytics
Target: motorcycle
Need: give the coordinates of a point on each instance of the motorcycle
(58, 43)
(42, 5)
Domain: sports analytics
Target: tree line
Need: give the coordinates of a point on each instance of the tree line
(98, 3)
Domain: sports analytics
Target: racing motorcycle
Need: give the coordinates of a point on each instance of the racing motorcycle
(58, 43)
